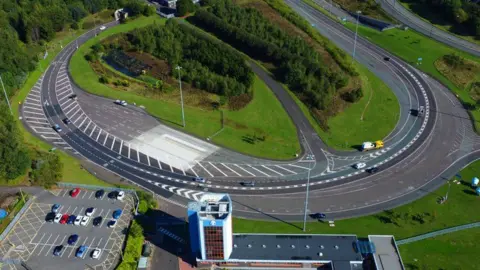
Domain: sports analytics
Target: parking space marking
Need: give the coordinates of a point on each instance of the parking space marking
(224, 174)
(80, 213)
(71, 251)
(244, 170)
(271, 170)
(113, 143)
(211, 175)
(53, 244)
(224, 165)
(106, 217)
(43, 246)
(278, 166)
(91, 195)
(84, 193)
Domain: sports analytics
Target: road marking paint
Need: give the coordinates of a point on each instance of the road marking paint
(93, 129)
(224, 165)
(298, 166)
(148, 160)
(84, 119)
(191, 169)
(105, 141)
(33, 113)
(211, 175)
(217, 169)
(36, 244)
(79, 110)
(43, 246)
(244, 170)
(53, 244)
(87, 125)
(106, 217)
(98, 136)
(32, 108)
(181, 166)
(121, 145)
(271, 170)
(258, 170)
(159, 164)
(68, 106)
(63, 92)
(138, 154)
(113, 143)
(128, 150)
(79, 117)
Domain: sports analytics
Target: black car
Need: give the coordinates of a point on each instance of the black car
(67, 121)
(318, 215)
(57, 250)
(99, 194)
(97, 221)
(74, 97)
(50, 217)
(248, 184)
(113, 194)
(386, 58)
(373, 170)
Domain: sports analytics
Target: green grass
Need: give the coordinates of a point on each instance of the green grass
(453, 251)
(461, 208)
(379, 119)
(72, 171)
(263, 116)
(12, 212)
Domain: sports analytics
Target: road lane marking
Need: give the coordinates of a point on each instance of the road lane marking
(244, 170)
(271, 170)
(211, 175)
(278, 166)
(113, 143)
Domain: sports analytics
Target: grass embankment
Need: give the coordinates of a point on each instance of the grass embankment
(431, 15)
(451, 251)
(263, 115)
(369, 8)
(72, 171)
(13, 210)
(422, 216)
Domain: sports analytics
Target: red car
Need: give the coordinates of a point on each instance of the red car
(75, 192)
(64, 219)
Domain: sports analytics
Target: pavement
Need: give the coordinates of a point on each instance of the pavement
(399, 12)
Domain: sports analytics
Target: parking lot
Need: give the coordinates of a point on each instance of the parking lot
(33, 239)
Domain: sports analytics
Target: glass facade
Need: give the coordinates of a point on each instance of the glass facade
(214, 242)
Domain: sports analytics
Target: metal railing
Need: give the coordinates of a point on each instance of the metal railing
(439, 232)
(15, 219)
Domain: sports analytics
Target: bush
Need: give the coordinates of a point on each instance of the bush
(454, 60)
(147, 201)
(353, 96)
(46, 169)
(184, 7)
(104, 79)
(74, 26)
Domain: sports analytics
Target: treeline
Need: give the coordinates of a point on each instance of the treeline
(462, 13)
(26, 25)
(297, 64)
(207, 64)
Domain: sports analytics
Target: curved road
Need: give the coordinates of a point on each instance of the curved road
(428, 148)
(403, 15)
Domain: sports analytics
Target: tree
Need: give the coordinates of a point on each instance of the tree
(184, 7)
(46, 169)
(135, 230)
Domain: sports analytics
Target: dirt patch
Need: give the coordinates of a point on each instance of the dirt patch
(475, 91)
(159, 67)
(462, 75)
(368, 7)
(8, 201)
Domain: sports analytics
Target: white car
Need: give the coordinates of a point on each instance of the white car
(78, 220)
(359, 165)
(90, 211)
(103, 27)
(120, 195)
(58, 217)
(85, 221)
(112, 223)
(96, 253)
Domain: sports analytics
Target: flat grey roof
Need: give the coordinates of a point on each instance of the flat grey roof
(386, 255)
(295, 247)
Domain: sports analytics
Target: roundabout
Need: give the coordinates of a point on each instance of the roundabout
(420, 154)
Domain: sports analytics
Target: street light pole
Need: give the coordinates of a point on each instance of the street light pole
(356, 33)
(6, 96)
(448, 190)
(306, 200)
(181, 93)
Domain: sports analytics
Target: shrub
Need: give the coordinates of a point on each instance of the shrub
(454, 60)
(75, 26)
(353, 96)
(104, 79)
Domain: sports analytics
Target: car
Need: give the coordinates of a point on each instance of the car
(50, 217)
(96, 253)
(103, 27)
(74, 193)
(58, 250)
(99, 194)
(64, 219)
(421, 111)
(120, 195)
(74, 97)
(117, 213)
(85, 221)
(372, 170)
(57, 128)
(58, 217)
(72, 239)
(81, 251)
(67, 121)
(71, 219)
(55, 208)
(97, 221)
(78, 220)
(121, 102)
(386, 58)
(248, 184)
(90, 211)
(112, 223)
(359, 165)
(199, 179)
(319, 215)
(113, 194)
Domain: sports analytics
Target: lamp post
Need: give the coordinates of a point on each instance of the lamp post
(448, 190)
(6, 96)
(314, 161)
(356, 33)
(179, 68)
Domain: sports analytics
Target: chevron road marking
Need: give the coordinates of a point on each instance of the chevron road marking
(217, 169)
(258, 170)
(230, 169)
(278, 166)
(244, 170)
(272, 170)
(298, 166)
(211, 175)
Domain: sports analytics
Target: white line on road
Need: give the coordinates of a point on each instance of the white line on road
(85, 130)
(278, 166)
(298, 166)
(244, 170)
(191, 169)
(98, 136)
(271, 170)
(224, 165)
(53, 244)
(128, 150)
(74, 122)
(138, 154)
(258, 170)
(106, 137)
(113, 143)
(159, 164)
(84, 119)
(169, 163)
(224, 174)
(46, 242)
(93, 129)
(211, 175)
(121, 145)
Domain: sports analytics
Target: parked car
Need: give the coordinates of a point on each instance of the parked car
(99, 194)
(73, 239)
(81, 251)
(96, 253)
(50, 217)
(71, 219)
(64, 219)
(85, 221)
(90, 211)
(67, 121)
(57, 128)
(97, 221)
(102, 27)
(120, 195)
(58, 217)
(199, 179)
(58, 250)
(359, 165)
(117, 213)
(113, 194)
(121, 102)
(55, 208)
(112, 223)
(74, 193)
(248, 184)
(373, 170)
(78, 220)
(319, 215)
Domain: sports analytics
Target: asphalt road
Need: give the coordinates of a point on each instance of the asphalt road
(425, 151)
(399, 12)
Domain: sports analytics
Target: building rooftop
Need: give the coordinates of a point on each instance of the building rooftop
(386, 256)
(212, 206)
(296, 247)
